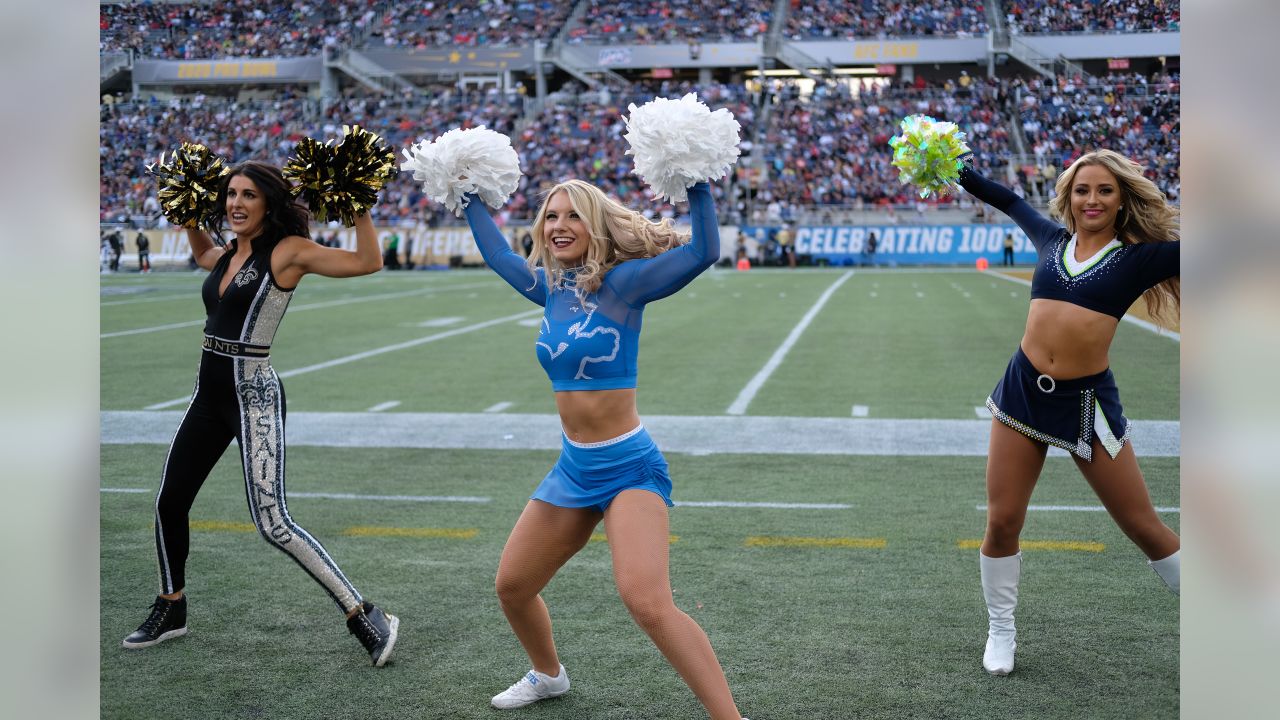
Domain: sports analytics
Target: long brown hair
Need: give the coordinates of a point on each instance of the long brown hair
(1145, 216)
(285, 215)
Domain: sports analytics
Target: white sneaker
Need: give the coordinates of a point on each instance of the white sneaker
(998, 657)
(531, 688)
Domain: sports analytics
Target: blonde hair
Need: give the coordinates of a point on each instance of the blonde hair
(1145, 216)
(617, 234)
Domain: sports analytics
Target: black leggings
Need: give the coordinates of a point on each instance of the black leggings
(239, 398)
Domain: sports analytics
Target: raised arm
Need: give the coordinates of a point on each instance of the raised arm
(643, 281)
(1038, 228)
(302, 256)
(498, 254)
(203, 249)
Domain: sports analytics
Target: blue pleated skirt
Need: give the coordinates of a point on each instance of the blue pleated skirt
(592, 474)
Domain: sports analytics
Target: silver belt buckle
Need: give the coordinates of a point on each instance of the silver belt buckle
(1040, 383)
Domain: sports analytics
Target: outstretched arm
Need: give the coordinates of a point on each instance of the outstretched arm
(643, 281)
(303, 256)
(1037, 227)
(498, 254)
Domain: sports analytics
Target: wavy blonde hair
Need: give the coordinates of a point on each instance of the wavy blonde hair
(617, 234)
(1145, 216)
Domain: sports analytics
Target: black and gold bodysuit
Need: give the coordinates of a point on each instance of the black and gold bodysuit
(238, 395)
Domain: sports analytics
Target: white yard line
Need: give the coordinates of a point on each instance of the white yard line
(375, 352)
(349, 496)
(770, 505)
(300, 308)
(498, 407)
(1152, 327)
(861, 410)
(1081, 508)
(384, 406)
(696, 435)
(748, 393)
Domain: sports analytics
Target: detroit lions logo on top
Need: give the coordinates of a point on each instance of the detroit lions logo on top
(595, 345)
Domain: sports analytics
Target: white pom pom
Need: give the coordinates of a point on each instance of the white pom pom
(677, 143)
(478, 161)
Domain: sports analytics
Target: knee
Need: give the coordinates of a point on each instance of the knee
(511, 590)
(1003, 527)
(650, 609)
(170, 507)
(277, 535)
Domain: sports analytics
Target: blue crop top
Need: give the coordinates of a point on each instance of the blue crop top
(592, 343)
(1108, 283)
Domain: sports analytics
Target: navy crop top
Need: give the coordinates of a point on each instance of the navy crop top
(1109, 282)
(592, 342)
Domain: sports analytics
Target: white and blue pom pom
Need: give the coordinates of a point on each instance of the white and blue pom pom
(459, 162)
(677, 143)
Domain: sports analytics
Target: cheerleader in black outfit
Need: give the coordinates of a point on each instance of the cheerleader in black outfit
(238, 394)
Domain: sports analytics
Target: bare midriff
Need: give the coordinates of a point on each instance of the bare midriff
(1066, 341)
(589, 416)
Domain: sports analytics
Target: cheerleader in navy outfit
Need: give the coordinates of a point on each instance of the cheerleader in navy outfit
(1119, 242)
(238, 394)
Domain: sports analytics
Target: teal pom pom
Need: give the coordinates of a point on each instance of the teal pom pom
(927, 154)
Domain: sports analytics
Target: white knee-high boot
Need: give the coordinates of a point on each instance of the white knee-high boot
(1000, 588)
(1170, 571)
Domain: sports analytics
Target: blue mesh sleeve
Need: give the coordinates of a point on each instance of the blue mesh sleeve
(498, 254)
(1038, 228)
(643, 281)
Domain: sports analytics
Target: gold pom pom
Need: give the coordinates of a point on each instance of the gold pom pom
(342, 180)
(188, 185)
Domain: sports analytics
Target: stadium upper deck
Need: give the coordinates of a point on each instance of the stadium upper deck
(813, 143)
(290, 28)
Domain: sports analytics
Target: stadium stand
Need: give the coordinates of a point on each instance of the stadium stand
(432, 24)
(826, 19)
(814, 141)
(1093, 16)
(231, 28)
(642, 22)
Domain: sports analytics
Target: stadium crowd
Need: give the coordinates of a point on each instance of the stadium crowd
(828, 149)
(232, 28)
(288, 28)
(644, 21)
(1092, 16)
(495, 22)
(1137, 116)
(838, 19)
(832, 147)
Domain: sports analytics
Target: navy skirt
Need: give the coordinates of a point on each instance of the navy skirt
(592, 474)
(1062, 413)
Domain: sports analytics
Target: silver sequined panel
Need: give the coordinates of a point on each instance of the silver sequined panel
(265, 314)
(262, 447)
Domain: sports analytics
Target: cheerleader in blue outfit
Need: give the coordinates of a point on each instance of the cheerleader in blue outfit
(594, 266)
(1119, 242)
(601, 263)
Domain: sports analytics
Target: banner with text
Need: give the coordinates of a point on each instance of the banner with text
(905, 244)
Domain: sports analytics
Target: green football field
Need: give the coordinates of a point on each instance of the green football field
(824, 430)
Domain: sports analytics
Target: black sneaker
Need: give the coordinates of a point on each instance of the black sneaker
(376, 631)
(168, 620)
